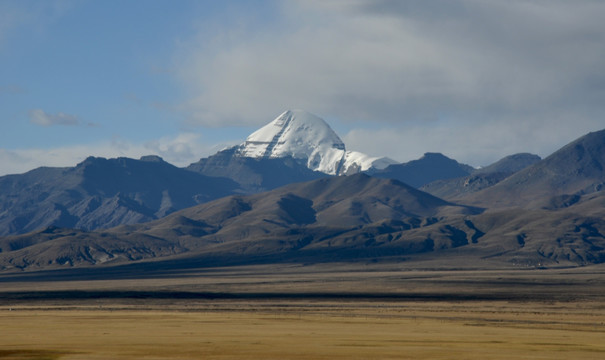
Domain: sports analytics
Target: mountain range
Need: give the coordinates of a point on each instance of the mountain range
(322, 218)
(292, 192)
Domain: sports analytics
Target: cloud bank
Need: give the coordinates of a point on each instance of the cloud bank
(470, 66)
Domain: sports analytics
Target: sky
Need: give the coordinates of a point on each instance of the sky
(473, 79)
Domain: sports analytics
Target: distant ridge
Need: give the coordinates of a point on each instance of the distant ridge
(430, 167)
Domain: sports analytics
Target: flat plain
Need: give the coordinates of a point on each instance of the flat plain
(305, 312)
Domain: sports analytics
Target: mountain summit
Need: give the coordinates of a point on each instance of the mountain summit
(307, 138)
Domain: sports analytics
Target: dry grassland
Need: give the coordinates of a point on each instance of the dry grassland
(304, 322)
(317, 331)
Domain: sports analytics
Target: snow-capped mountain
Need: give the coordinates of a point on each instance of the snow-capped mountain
(308, 138)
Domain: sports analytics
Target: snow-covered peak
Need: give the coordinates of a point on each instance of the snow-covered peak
(294, 130)
(306, 137)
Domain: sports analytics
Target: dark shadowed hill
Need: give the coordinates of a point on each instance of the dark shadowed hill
(429, 168)
(102, 193)
(255, 174)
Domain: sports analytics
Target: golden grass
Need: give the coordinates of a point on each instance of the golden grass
(307, 330)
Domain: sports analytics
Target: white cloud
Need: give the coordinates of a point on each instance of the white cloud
(474, 65)
(40, 117)
(180, 150)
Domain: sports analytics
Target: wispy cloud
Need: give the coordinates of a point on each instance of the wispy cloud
(184, 148)
(11, 89)
(18, 15)
(42, 118)
(11, 16)
(180, 150)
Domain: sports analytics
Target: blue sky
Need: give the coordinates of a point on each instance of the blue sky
(476, 80)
